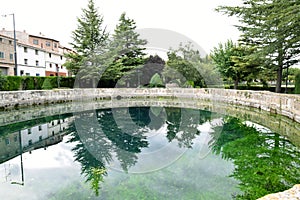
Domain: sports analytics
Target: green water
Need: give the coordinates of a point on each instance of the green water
(144, 153)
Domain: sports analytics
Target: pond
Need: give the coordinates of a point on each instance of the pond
(148, 151)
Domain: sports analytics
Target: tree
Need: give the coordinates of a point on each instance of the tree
(272, 26)
(156, 81)
(87, 38)
(260, 158)
(236, 62)
(186, 70)
(126, 50)
(186, 67)
(154, 65)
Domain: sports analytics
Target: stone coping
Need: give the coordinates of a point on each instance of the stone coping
(283, 104)
(290, 194)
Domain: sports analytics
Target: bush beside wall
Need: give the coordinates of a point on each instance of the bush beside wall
(10, 83)
(297, 83)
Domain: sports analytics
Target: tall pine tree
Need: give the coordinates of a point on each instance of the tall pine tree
(126, 50)
(272, 27)
(89, 37)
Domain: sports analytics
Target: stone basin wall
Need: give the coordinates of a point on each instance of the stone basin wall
(283, 104)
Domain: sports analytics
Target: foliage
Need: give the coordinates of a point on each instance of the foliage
(28, 83)
(143, 75)
(183, 70)
(12, 83)
(272, 27)
(156, 81)
(297, 83)
(87, 38)
(47, 84)
(34, 82)
(292, 72)
(2, 81)
(236, 62)
(97, 174)
(186, 67)
(260, 158)
(125, 50)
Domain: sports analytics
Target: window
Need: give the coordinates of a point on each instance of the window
(26, 61)
(36, 52)
(1, 54)
(25, 49)
(29, 131)
(55, 45)
(22, 72)
(40, 128)
(16, 139)
(36, 63)
(61, 67)
(27, 74)
(36, 42)
(29, 142)
(37, 74)
(53, 133)
(48, 44)
(50, 65)
(11, 57)
(61, 57)
(0, 39)
(10, 42)
(50, 55)
(40, 138)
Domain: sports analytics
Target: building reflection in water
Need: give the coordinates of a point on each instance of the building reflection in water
(29, 139)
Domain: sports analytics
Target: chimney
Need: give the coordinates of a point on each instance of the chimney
(3, 29)
(24, 31)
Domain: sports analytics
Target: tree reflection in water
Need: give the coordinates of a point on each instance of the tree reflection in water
(100, 137)
(264, 162)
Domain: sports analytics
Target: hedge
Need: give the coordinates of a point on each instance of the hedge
(9, 83)
(297, 83)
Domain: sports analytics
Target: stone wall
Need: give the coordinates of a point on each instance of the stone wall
(283, 104)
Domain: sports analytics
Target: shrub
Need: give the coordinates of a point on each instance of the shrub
(2, 81)
(13, 83)
(297, 83)
(67, 82)
(156, 81)
(47, 84)
(28, 83)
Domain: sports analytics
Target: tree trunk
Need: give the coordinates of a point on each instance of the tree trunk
(279, 70)
(279, 79)
(236, 84)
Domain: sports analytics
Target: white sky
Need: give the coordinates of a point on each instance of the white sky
(196, 19)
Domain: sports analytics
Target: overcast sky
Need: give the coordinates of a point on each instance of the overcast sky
(56, 19)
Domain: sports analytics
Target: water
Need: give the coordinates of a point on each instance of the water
(148, 152)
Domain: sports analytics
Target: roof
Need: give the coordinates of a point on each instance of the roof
(2, 35)
(43, 37)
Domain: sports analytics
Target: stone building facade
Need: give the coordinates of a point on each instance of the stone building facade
(37, 55)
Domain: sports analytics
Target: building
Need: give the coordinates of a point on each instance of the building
(6, 55)
(31, 138)
(37, 55)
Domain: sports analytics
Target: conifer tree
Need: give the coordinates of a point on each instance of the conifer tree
(89, 37)
(273, 27)
(126, 50)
